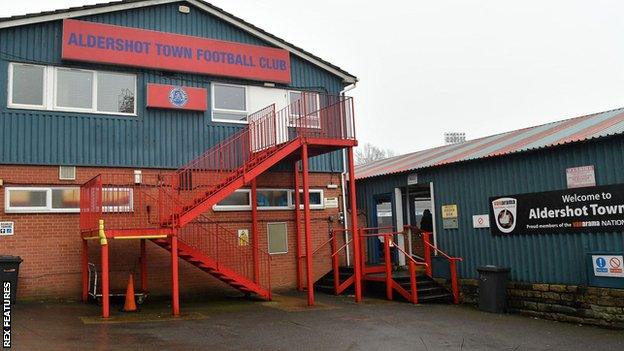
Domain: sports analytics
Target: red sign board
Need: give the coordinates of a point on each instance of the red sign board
(176, 97)
(103, 43)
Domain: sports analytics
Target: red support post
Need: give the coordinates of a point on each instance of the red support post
(454, 282)
(105, 281)
(297, 229)
(254, 230)
(85, 270)
(427, 247)
(175, 293)
(143, 267)
(308, 232)
(413, 283)
(359, 260)
(388, 264)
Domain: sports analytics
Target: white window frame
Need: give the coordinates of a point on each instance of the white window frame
(318, 104)
(269, 239)
(39, 209)
(44, 88)
(320, 206)
(50, 74)
(117, 209)
(217, 207)
(213, 109)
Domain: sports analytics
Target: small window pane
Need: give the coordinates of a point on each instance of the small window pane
(227, 97)
(66, 198)
(74, 89)
(230, 116)
(238, 198)
(315, 198)
(27, 198)
(278, 238)
(115, 92)
(117, 199)
(27, 85)
(272, 198)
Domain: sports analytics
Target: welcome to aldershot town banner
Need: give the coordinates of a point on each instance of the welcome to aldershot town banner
(591, 209)
(104, 43)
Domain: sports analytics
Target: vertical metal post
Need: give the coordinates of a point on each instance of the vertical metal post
(413, 285)
(354, 229)
(175, 293)
(143, 267)
(85, 270)
(105, 278)
(254, 230)
(297, 229)
(335, 263)
(454, 282)
(388, 264)
(426, 240)
(308, 233)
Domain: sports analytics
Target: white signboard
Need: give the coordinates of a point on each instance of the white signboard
(608, 266)
(481, 221)
(578, 177)
(331, 202)
(6, 228)
(412, 179)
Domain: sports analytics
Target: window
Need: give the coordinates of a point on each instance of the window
(26, 85)
(229, 103)
(308, 108)
(34, 200)
(67, 89)
(316, 199)
(240, 200)
(273, 199)
(277, 237)
(117, 200)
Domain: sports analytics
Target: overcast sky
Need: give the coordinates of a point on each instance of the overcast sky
(426, 67)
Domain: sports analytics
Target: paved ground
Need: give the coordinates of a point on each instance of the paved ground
(337, 324)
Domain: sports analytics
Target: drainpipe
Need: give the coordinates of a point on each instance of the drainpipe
(343, 182)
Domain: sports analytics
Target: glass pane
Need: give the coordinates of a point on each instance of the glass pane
(238, 198)
(28, 85)
(277, 238)
(27, 198)
(74, 88)
(66, 198)
(117, 199)
(115, 92)
(230, 116)
(228, 97)
(272, 198)
(315, 198)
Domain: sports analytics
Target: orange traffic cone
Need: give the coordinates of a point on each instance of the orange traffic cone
(130, 304)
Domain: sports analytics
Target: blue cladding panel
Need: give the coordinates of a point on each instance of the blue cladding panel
(156, 138)
(550, 258)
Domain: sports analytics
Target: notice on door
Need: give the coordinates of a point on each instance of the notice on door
(608, 265)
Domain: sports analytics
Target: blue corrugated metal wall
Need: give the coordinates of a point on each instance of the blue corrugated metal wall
(156, 138)
(549, 258)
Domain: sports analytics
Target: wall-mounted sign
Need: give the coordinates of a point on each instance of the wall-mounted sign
(243, 237)
(450, 223)
(608, 265)
(412, 179)
(7, 228)
(590, 209)
(481, 221)
(103, 43)
(578, 177)
(331, 202)
(449, 211)
(177, 97)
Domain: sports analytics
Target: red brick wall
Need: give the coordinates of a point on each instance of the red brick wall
(51, 247)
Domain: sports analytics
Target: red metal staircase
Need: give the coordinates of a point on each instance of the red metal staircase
(167, 206)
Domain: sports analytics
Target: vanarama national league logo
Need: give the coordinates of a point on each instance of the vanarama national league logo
(178, 97)
(505, 214)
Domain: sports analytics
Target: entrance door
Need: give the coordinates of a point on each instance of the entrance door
(384, 217)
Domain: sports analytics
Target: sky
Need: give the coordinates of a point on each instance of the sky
(427, 67)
